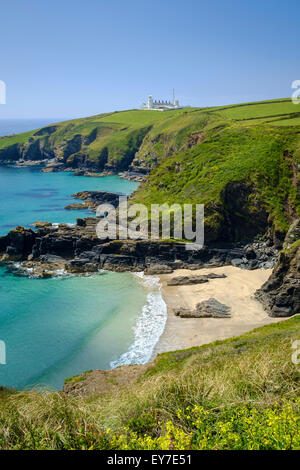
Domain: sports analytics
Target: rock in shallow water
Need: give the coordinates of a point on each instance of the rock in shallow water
(158, 269)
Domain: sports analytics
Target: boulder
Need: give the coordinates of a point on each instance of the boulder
(187, 280)
(183, 312)
(119, 263)
(80, 222)
(18, 243)
(250, 253)
(210, 308)
(215, 276)
(95, 198)
(42, 224)
(48, 258)
(237, 262)
(193, 279)
(81, 266)
(158, 269)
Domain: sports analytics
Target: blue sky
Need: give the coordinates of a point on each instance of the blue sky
(72, 58)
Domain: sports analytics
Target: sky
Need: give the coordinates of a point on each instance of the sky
(74, 58)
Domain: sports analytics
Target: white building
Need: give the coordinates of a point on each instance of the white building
(160, 105)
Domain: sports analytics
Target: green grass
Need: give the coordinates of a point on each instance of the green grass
(15, 139)
(193, 155)
(253, 144)
(240, 393)
(137, 117)
(287, 122)
(253, 155)
(259, 110)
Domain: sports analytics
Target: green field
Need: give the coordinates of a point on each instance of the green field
(252, 145)
(194, 155)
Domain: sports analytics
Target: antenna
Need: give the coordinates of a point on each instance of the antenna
(173, 96)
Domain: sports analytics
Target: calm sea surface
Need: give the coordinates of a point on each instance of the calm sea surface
(58, 327)
(16, 126)
(27, 195)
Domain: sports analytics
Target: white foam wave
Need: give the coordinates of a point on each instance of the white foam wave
(149, 326)
(55, 225)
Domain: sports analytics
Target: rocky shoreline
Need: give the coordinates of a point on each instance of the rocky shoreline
(92, 199)
(77, 249)
(81, 250)
(53, 166)
(280, 295)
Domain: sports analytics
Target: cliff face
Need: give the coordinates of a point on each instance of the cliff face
(66, 147)
(280, 295)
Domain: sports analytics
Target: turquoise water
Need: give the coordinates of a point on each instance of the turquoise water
(55, 328)
(28, 195)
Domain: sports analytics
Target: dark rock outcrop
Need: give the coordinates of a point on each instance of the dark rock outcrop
(84, 251)
(80, 265)
(73, 242)
(17, 244)
(210, 308)
(280, 295)
(188, 280)
(244, 216)
(158, 269)
(93, 199)
(77, 206)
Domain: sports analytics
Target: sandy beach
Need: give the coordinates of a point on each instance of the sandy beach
(236, 291)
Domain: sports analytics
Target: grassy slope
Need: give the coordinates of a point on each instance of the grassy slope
(234, 394)
(114, 134)
(253, 143)
(256, 144)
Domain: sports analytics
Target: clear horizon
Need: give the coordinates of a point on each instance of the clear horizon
(68, 59)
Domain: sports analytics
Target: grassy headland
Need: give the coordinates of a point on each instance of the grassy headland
(239, 393)
(242, 161)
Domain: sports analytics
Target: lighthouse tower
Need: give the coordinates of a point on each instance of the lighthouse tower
(150, 102)
(161, 105)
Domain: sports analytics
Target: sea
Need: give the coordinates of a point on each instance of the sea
(51, 329)
(16, 126)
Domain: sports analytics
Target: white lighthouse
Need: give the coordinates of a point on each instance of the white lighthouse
(160, 105)
(150, 102)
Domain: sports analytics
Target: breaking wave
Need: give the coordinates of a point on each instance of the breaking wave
(149, 326)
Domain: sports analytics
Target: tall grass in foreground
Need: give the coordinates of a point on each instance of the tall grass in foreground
(234, 394)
